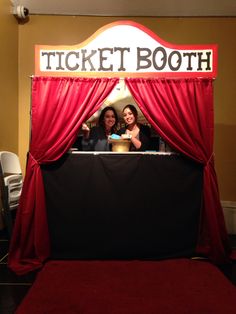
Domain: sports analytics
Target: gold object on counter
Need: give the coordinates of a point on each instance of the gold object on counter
(120, 145)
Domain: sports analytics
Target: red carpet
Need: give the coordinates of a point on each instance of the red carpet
(177, 286)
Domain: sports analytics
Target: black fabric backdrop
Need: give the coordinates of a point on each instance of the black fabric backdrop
(123, 206)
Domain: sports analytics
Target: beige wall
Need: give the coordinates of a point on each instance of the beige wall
(70, 30)
(8, 78)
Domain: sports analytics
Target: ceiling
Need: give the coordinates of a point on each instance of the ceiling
(158, 8)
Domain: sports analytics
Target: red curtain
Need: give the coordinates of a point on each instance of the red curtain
(181, 111)
(59, 106)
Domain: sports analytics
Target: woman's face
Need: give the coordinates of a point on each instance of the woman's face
(129, 117)
(109, 119)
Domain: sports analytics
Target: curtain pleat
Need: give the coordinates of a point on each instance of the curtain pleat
(59, 107)
(181, 111)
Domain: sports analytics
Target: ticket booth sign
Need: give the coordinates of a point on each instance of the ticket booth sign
(126, 49)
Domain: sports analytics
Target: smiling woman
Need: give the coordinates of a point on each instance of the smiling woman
(96, 139)
(140, 135)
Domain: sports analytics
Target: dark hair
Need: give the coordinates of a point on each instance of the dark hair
(102, 115)
(133, 109)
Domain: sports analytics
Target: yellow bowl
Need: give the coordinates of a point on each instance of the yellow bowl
(120, 145)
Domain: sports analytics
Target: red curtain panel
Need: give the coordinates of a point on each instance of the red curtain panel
(182, 112)
(59, 107)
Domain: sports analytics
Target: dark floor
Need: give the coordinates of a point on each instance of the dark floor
(13, 288)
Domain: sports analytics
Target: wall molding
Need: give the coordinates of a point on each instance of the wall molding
(229, 210)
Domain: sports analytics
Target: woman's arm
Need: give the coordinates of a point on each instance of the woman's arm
(136, 142)
(89, 138)
(86, 131)
(145, 137)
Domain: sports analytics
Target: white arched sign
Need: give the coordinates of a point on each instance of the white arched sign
(126, 48)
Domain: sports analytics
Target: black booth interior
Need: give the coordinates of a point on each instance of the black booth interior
(123, 205)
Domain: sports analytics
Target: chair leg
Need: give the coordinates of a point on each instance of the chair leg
(8, 221)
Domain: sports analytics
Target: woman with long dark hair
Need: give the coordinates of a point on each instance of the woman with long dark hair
(96, 138)
(140, 134)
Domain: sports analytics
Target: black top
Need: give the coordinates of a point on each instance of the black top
(97, 140)
(144, 137)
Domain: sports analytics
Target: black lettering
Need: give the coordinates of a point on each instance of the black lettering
(178, 62)
(87, 59)
(122, 51)
(189, 55)
(201, 60)
(48, 54)
(143, 58)
(163, 58)
(103, 58)
(59, 67)
(69, 54)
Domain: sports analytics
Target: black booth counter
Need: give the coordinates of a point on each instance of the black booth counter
(123, 205)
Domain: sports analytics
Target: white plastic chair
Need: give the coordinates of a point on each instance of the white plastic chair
(11, 186)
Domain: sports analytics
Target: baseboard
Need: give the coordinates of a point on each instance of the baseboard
(229, 209)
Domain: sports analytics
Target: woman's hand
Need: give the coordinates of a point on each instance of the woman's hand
(85, 130)
(85, 127)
